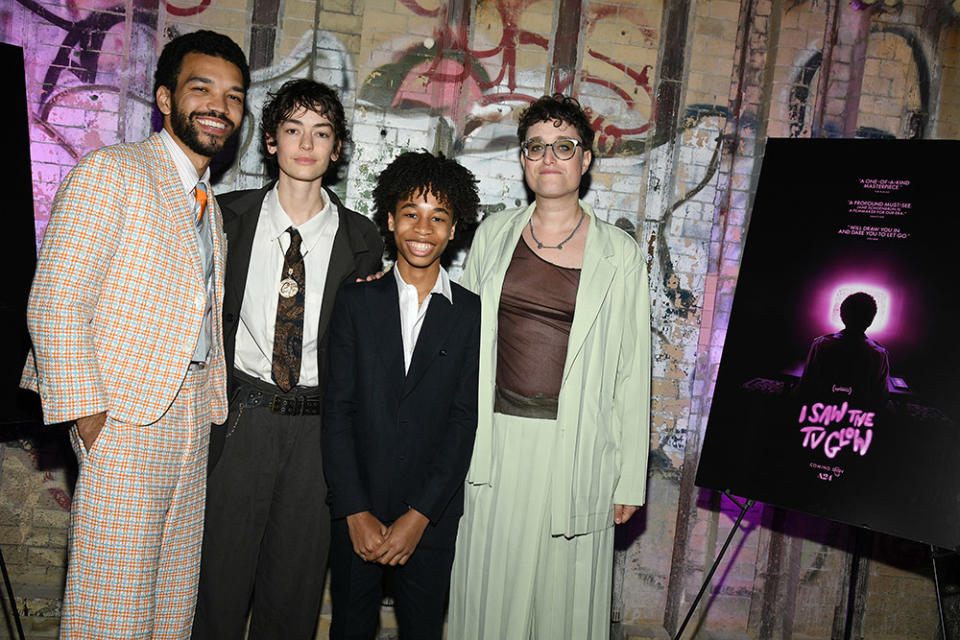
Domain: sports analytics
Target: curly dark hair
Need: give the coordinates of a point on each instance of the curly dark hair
(206, 42)
(417, 172)
(290, 98)
(560, 109)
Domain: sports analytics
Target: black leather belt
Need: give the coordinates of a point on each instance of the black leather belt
(285, 405)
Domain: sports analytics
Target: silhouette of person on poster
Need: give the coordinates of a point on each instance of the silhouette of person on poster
(847, 365)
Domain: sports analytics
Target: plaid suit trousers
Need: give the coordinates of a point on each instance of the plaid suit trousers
(137, 523)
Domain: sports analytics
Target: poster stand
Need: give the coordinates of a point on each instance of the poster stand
(744, 507)
(934, 554)
(856, 555)
(862, 540)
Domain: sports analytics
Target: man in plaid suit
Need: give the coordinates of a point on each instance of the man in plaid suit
(124, 314)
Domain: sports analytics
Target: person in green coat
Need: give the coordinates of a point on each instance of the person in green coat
(564, 400)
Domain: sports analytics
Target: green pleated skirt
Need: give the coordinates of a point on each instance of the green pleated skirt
(512, 580)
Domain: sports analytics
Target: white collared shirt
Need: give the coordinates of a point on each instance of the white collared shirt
(258, 313)
(189, 179)
(412, 312)
(185, 169)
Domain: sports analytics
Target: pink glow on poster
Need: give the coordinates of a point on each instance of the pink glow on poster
(890, 293)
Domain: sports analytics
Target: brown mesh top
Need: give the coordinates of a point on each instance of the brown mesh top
(536, 310)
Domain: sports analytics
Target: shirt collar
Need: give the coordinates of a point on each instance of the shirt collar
(310, 231)
(441, 286)
(185, 169)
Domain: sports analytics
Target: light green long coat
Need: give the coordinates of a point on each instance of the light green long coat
(600, 454)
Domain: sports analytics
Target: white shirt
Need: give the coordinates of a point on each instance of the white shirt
(412, 312)
(185, 169)
(258, 313)
(189, 179)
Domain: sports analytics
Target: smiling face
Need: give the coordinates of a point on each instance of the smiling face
(549, 177)
(422, 225)
(206, 108)
(305, 144)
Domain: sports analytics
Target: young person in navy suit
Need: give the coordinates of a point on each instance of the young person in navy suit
(401, 406)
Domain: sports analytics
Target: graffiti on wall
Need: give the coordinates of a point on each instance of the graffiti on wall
(907, 116)
(480, 83)
(93, 87)
(318, 54)
(89, 77)
(97, 74)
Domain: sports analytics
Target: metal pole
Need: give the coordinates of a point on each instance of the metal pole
(706, 581)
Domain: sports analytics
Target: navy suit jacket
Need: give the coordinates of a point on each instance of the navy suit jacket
(392, 441)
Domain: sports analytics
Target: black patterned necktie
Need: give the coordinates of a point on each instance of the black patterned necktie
(288, 330)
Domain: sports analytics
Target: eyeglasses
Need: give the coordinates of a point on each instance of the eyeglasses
(563, 149)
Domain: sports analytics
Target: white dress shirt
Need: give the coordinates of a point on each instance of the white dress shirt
(258, 313)
(189, 179)
(412, 312)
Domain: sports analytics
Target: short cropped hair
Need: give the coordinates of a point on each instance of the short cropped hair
(290, 98)
(417, 172)
(206, 42)
(559, 109)
(858, 310)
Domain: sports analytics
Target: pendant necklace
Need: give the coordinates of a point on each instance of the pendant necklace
(288, 286)
(560, 244)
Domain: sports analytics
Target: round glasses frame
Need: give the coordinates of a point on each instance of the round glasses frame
(563, 148)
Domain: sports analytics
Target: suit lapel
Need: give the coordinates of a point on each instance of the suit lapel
(341, 265)
(384, 306)
(179, 207)
(219, 244)
(596, 275)
(241, 227)
(343, 261)
(436, 326)
(503, 247)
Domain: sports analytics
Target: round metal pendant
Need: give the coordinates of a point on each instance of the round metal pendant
(288, 287)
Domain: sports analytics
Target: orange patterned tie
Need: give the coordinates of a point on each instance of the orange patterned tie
(200, 205)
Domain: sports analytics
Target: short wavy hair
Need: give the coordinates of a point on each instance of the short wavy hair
(417, 172)
(559, 109)
(290, 98)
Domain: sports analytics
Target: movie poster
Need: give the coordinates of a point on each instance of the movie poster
(838, 392)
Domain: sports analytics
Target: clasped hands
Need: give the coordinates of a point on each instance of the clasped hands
(373, 541)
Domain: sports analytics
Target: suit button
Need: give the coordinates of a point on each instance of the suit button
(200, 301)
(228, 317)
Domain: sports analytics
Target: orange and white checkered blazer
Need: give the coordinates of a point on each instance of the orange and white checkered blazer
(118, 296)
